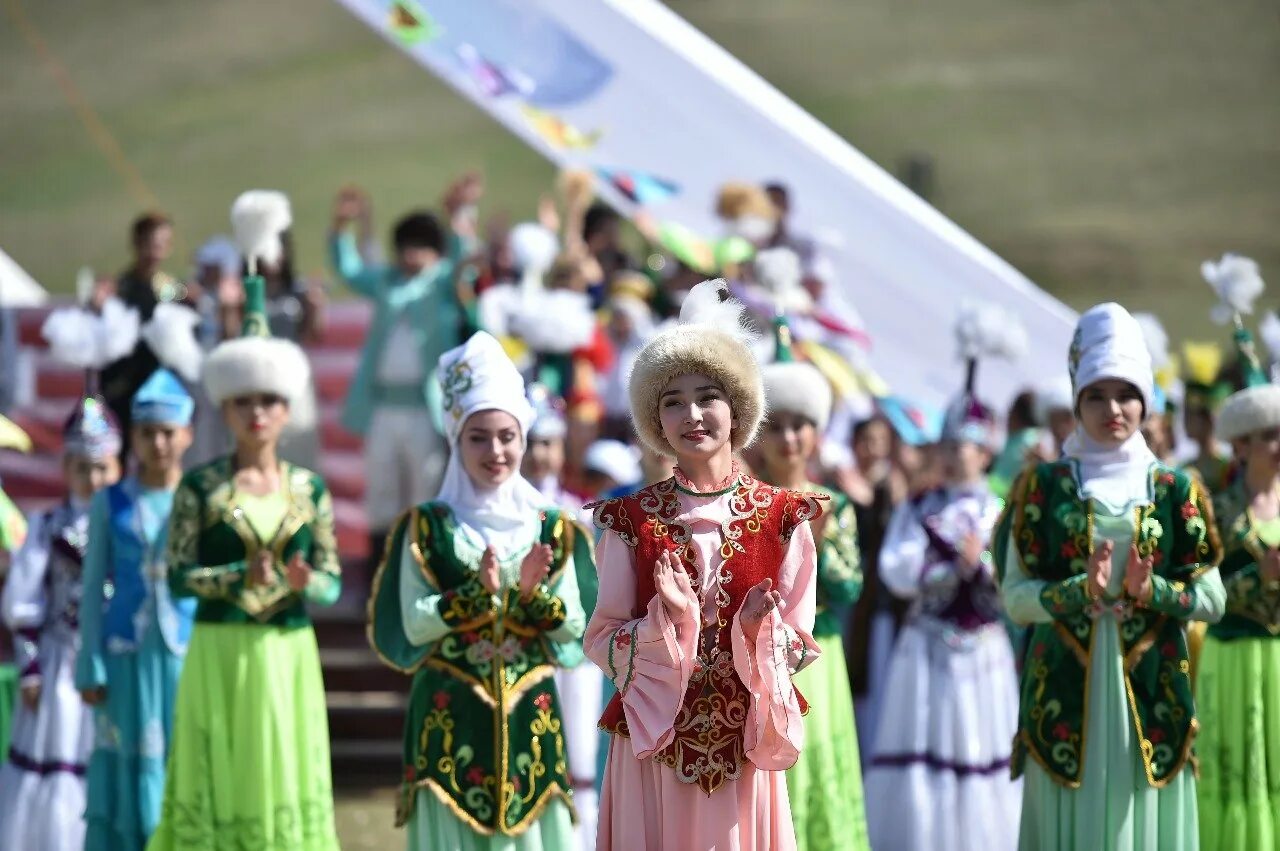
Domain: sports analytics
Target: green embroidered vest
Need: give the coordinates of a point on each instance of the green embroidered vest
(211, 541)
(1052, 528)
(483, 731)
(839, 563)
(1253, 608)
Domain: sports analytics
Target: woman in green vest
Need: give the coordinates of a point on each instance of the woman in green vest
(252, 537)
(1110, 554)
(1238, 689)
(478, 598)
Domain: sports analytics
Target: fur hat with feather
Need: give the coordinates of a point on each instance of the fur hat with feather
(256, 362)
(712, 338)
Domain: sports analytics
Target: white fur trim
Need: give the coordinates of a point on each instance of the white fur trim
(1249, 410)
(798, 388)
(248, 365)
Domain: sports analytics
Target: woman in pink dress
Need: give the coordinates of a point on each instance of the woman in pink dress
(707, 595)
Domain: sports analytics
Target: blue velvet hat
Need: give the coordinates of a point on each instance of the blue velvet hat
(162, 399)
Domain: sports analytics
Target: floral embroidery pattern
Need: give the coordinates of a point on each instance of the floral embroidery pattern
(484, 730)
(1053, 535)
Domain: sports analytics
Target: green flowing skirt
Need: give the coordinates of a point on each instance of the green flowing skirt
(8, 697)
(249, 761)
(825, 784)
(1238, 700)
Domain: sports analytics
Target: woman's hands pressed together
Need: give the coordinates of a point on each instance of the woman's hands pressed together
(1137, 576)
(490, 578)
(1100, 570)
(534, 569)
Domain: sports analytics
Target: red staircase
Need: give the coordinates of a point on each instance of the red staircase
(366, 700)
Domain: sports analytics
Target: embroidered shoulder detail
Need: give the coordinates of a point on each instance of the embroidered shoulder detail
(618, 515)
(800, 507)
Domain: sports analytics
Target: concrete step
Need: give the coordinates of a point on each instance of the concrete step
(365, 715)
(43, 421)
(351, 669)
(365, 764)
(346, 323)
(34, 481)
(331, 371)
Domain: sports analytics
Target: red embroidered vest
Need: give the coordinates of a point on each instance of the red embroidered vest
(708, 745)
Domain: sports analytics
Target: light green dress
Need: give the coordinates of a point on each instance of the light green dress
(1238, 702)
(1115, 808)
(825, 784)
(249, 762)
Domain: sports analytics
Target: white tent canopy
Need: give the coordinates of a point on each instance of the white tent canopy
(628, 86)
(17, 288)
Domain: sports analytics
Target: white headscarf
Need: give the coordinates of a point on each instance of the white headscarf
(479, 376)
(1109, 343)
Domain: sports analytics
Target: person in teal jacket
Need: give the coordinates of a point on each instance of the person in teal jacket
(417, 316)
(133, 641)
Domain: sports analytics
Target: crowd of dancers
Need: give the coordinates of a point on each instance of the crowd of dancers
(665, 564)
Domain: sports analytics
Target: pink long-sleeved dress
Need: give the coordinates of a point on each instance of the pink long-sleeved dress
(706, 719)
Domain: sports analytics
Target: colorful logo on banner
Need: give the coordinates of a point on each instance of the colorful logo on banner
(639, 187)
(493, 79)
(559, 133)
(411, 23)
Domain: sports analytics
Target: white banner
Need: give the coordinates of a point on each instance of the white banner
(629, 89)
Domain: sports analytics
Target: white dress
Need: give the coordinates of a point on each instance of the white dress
(42, 788)
(938, 776)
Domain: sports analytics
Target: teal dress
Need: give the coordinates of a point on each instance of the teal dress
(133, 646)
(1115, 808)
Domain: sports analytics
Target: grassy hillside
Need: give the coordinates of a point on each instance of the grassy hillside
(1103, 148)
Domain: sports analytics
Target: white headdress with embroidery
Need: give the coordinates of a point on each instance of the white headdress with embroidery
(479, 376)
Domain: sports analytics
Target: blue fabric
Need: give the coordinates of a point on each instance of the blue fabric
(915, 425)
(162, 399)
(138, 600)
(133, 645)
(132, 731)
(429, 299)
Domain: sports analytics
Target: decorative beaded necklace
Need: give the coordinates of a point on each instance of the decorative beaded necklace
(722, 487)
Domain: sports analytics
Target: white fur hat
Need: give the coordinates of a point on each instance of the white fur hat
(248, 365)
(798, 388)
(258, 363)
(712, 339)
(1109, 343)
(1249, 410)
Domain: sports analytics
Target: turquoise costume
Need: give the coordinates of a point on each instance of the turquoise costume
(133, 641)
(429, 304)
